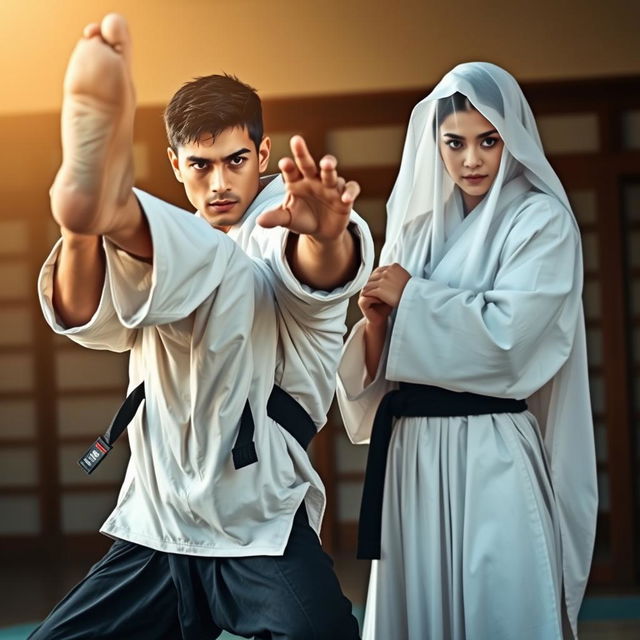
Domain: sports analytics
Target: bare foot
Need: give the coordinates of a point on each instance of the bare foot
(93, 185)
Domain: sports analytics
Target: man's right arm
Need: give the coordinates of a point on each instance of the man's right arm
(80, 269)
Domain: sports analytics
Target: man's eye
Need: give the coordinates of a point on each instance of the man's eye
(237, 162)
(200, 165)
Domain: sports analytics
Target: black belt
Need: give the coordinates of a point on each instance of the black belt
(412, 400)
(281, 407)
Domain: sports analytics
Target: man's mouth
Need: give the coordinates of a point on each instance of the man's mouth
(221, 206)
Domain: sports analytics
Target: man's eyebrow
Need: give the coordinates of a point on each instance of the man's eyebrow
(231, 156)
(455, 136)
(199, 160)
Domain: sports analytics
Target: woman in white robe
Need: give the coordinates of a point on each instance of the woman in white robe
(488, 519)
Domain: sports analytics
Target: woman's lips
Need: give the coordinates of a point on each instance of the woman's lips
(474, 179)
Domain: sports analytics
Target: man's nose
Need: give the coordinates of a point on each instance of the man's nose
(219, 180)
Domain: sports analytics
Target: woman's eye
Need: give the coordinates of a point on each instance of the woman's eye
(489, 142)
(454, 144)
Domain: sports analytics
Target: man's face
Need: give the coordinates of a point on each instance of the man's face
(221, 176)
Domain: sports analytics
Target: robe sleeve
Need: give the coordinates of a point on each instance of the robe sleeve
(291, 292)
(103, 331)
(358, 396)
(189, 263)
(311, 324)
(507, 341)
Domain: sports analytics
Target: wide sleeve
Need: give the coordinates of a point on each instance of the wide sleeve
(358, 396)
(103, 331)
(300, 297)
(311, 323)
(189, 263)
(507, 341)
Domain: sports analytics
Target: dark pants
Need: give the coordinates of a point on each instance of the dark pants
(137, 593)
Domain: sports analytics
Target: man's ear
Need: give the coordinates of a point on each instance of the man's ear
(263, 154)
(173, 159)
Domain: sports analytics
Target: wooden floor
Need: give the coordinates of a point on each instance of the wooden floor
(30, 589)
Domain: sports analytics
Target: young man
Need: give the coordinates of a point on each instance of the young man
(217, 519)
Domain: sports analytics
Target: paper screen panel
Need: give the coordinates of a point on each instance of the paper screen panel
(600, 430)
(18, 467)
(349, 495)
(594, 346)
(584, 205)
(592, 300)
(596, 387)
(631, 202)
(87, 369)
(634, 248)
(349, 457)
(374, 211)
(634, 302)
(631, 129)
(14, 237)
(16, 282)
(603, 492)
(141, 161)
(15, 326)
(84, 512)
(20, 515)
(280, 148)
(590, 255)
(17, 419)
(111, 469)
(16, 372)
(569, 133)
(367, 146)
(87, 415)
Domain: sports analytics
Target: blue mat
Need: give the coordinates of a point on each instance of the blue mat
(606, 608)
(593, 608)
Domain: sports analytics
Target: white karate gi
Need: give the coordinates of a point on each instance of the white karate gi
(207, 327)
(486, 519)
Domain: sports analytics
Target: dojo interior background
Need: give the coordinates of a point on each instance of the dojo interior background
(345, 74)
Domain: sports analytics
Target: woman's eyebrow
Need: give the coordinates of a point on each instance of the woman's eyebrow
(455, 136)
(487, 133)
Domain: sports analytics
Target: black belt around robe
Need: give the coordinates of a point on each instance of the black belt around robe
(411, 400)
(281, 407)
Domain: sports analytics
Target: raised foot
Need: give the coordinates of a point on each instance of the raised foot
(96, 176)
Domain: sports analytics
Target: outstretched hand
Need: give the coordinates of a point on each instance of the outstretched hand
(318, 201)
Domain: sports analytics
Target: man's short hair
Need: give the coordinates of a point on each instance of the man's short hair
(209, 105)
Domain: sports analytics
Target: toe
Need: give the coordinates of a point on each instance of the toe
(115, 32)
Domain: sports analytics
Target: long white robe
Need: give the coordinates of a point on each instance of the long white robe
(206, 327)
(476, 540)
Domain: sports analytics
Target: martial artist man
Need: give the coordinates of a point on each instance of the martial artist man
(216, 522)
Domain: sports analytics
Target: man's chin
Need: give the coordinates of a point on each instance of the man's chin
(228, 219)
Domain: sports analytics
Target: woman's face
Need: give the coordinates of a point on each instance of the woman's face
(470, 148)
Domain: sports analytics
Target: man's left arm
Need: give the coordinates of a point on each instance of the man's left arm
(322, 251)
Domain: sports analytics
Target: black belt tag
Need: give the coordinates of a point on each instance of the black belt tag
(94, 455)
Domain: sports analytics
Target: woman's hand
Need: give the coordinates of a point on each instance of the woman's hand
(375, 311)
(383, 291)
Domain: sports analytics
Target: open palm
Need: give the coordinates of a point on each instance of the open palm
(318, 201)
